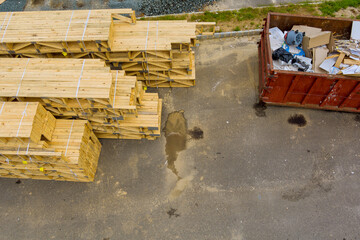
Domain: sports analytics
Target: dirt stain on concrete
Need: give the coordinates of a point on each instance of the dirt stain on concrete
(180, 186)
(321, 179)
(297, 119)
(175, 133)
(133, 164)
(260, 108)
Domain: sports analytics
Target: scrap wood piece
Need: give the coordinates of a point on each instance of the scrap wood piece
(333, 56)
(351, 62)
(340, 59)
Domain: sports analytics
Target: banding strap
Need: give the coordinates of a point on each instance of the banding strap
(86, 23)
(78, 86)
(2, 39)
(22, 77)
(2, 107)
(27, 149)
(117, 72)
(147, 34)
(117, 121)
(4, 21)
(23, 114)
(69, 25)
(6, 158)
(67, 32)
(24, 160)
(2, 28)
(4, 45)
(157, 34)
(73, 173)
(67, 145)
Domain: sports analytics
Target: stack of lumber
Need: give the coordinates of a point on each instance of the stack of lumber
(37, 146)
(116, 105)
(25, 124)
(160, 53)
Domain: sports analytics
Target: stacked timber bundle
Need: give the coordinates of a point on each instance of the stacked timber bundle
(160, 53)
(115, 105)
(35, 145)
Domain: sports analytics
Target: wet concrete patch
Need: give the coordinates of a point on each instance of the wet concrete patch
(297, 119)
(196, 133)
(260, 108)
(175, 133)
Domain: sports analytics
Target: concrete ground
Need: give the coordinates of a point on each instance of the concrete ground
(249, 178)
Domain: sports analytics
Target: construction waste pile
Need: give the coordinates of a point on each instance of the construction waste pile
(82, 76)
(309, 49)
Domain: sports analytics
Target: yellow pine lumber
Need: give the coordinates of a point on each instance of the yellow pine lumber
(25, 123)
(72, 155)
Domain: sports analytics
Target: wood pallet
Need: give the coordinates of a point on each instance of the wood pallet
(162, 49)
(72, 155)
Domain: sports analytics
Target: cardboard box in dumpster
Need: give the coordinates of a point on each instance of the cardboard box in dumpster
(319, 55)
(314, 37)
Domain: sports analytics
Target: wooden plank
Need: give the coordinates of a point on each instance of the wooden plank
(340, 60)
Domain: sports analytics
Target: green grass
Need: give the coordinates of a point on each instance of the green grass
(214, 16)
(242, 14)
(331, 7)
(168, 17)
(251, 17)
(239, 15)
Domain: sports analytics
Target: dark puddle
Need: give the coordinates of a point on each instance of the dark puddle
(176, 137)
(260, 108)
(357, 118)
(172, 212)
(297, 119)
(196, 133)
(175, 133)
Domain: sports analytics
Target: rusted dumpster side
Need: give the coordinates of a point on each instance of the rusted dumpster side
(301, 89)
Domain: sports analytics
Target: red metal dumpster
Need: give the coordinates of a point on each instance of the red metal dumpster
(302, 89)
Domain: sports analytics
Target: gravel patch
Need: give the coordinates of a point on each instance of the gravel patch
(159, 7)
(142, 7)
(12, 5)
